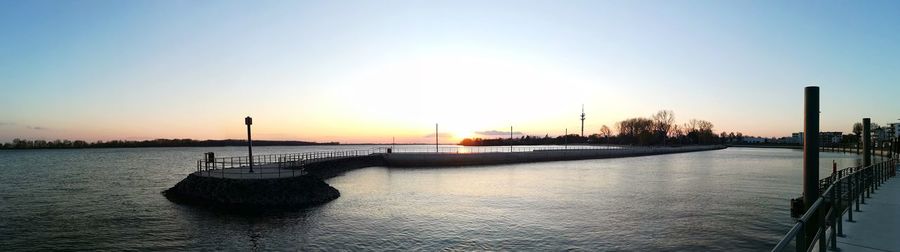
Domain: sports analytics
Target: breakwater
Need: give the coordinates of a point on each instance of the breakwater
(293, 189)
(252, 194)
(494, 158)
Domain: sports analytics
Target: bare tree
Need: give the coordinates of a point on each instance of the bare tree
(605, 132)
(692, 125)
(662, 123)
(676, 131)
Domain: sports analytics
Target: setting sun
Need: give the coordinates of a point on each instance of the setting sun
(459, 135)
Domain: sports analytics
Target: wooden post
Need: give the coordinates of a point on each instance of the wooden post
(811, 157)
(867, 155)
(248, 121)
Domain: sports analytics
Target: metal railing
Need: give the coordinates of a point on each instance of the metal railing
(842, 188)
(271, 165)
(291, 164)
(496, 149)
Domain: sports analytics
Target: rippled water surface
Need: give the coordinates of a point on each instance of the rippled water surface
(109, 199)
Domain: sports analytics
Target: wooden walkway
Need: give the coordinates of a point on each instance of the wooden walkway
(877, 227)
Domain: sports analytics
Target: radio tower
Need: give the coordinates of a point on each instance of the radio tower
(582, 120)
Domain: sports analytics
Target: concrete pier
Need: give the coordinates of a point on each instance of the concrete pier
(297, 180)
(877, 227)
(493, 158)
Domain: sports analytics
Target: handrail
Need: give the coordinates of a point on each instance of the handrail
(297, 161)
(858, 182)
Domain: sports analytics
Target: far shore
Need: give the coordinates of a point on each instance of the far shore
(778, 146)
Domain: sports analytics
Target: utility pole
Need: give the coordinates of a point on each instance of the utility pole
(566, 139)
(510, 138)
(248, 121)
(436, 149)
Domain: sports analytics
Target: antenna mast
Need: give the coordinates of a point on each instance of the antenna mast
(582, 120)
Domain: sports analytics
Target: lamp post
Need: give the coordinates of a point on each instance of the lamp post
(249, 121)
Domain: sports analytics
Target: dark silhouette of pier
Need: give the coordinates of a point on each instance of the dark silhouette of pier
(298, 164)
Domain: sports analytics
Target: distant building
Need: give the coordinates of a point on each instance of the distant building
(825, 138)
(880, 134)
(829, 138)
(785, 140)
(797, 138)
(893, 130)
(754, 140)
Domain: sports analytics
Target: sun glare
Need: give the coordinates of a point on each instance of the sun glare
(460, 135)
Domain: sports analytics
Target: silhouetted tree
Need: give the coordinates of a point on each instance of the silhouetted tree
(605, 132)
(662, 123)
(857, 129)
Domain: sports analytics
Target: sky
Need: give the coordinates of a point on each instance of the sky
(373, 71)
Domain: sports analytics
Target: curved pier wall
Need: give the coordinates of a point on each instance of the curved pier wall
(252, 194)
(331, 168)
(310, 189)
(464, 159)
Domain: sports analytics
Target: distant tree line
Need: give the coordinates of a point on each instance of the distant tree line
(658, 129)
(68, 144)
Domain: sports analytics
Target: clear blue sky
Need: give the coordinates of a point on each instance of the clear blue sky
(369, 70)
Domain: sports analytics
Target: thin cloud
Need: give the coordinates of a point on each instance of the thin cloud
(440, 135)
(7, 123)
(497, 133)
(37, 128)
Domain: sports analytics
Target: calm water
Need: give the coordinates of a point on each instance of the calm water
(109, 199)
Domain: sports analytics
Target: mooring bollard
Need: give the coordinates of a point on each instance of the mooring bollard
(811, 160)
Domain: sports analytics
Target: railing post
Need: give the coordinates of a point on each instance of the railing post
(869, 179)
(800, 241)
(840, 208)
(821, 232)
(835, 217)
(851, 197)
(878, 172)
(860, 182)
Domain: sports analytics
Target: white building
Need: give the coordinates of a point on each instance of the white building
(797, 138)
(827, 137)
(893, 130)
(754, 140)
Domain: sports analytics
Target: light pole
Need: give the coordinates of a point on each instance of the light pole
(249, 121)
(510, 138)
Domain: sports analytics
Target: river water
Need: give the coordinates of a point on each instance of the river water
(109, 199)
